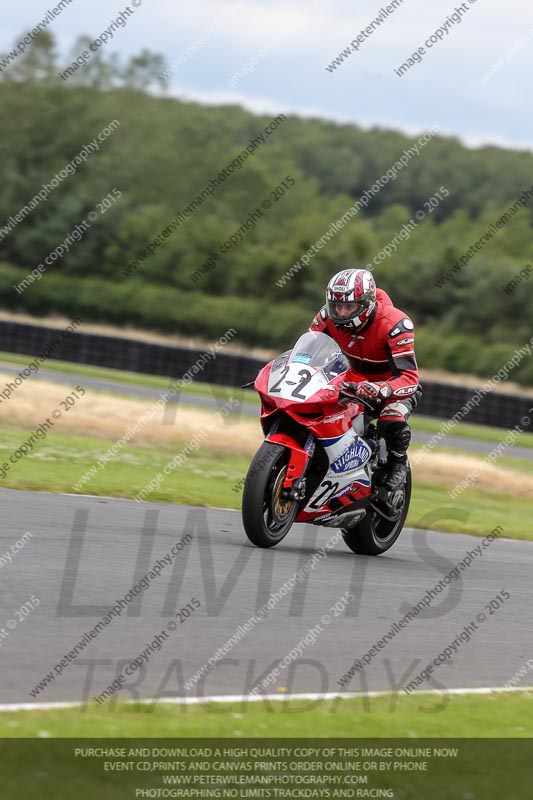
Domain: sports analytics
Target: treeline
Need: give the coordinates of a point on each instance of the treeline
(236, 200)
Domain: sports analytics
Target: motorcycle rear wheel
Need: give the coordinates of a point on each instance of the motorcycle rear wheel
(375, 535)
(267, 518)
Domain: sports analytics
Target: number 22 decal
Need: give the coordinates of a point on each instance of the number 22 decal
(305, 376)
(276, 387)
(329, 490)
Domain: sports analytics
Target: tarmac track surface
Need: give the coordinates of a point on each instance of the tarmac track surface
(87, 552)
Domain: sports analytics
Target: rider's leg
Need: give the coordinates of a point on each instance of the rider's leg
(393, 427)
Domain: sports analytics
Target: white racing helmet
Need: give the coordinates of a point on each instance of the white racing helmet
(351, 298)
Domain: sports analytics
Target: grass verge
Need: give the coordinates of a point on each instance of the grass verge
(419, 423)
(464, 762)
(463, 716)
(207, 479)
(62, 459)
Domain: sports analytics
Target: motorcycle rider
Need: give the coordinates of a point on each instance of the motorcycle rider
(378, 340)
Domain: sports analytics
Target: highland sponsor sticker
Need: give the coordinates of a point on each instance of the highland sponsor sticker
(352, 458)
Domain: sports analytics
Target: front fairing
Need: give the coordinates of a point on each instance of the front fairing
(302, 386)
(304, 382)
(306, 375)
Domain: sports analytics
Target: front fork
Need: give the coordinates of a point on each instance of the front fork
(300, 458)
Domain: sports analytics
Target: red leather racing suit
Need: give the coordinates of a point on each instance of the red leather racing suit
(383, 352)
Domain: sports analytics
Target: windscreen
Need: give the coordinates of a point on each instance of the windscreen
(317, 350)
(314, 360)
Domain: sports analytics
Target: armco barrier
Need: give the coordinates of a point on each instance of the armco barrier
(229, 369)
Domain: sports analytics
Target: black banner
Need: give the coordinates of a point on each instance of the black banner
(407, 769)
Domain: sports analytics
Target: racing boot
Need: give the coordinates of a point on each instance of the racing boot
(397, 437)
(395, 472)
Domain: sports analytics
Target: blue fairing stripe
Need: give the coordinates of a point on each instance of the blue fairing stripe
(349, 488)
(329, 442)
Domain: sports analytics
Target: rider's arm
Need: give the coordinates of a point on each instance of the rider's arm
(401, 346)
(320, 322)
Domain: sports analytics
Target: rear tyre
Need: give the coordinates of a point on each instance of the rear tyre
(267, 518)
(374, 535)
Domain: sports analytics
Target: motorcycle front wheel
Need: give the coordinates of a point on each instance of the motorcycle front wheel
(266, 516)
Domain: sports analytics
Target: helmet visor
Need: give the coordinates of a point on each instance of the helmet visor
(341, 311)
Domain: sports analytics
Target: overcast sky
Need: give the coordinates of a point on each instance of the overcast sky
(444, 89)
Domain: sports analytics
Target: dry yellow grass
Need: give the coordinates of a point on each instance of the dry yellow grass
(449, 470)
(108, 417)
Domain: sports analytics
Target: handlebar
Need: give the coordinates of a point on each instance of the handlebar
(352, 398)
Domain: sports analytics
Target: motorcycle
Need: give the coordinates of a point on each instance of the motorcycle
(321, 459)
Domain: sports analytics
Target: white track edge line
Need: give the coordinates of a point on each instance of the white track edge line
(239, 698)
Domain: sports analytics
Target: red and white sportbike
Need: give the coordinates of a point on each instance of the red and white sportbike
(320, 460)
